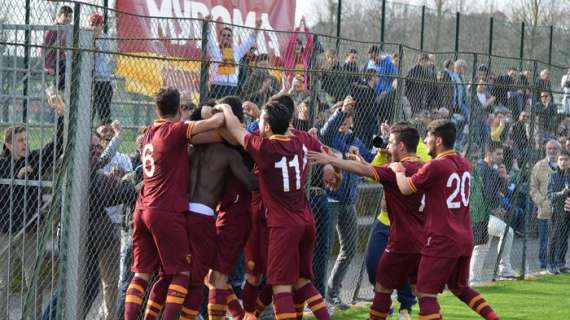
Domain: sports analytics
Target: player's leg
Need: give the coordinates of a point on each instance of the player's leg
(433, 273)
(459, 286)
(145, 262)
(156, 298)
(304, 290)
(169, 230)
(283, 267)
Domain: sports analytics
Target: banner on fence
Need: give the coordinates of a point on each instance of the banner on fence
(167, 35)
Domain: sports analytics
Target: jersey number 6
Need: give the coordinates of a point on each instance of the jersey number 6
(148, 160)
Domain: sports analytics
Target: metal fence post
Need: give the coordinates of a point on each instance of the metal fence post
(338, 21)
(399, 89)
(204, 64)
(27, 39)
(550, 45)
(422, 30)
(491, 27)
(105, 16)
(521, 52)
(457, 31)
(313, 80)
(74, 222)
(383, 25)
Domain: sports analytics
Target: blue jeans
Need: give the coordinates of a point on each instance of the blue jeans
(543, 241)
(320, 208)
(376, 244)
(125, 277)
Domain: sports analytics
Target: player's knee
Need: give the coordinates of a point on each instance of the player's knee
(425, 295)
(282, 289)
(143, 276)
(381, 289)
(301, 283)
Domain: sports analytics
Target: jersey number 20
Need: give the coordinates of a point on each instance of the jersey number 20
(461, 185)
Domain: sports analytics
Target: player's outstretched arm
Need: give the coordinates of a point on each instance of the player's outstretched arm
(209, 124)
(401, 178)
(241, 172)
(233, 125)
(356, 167)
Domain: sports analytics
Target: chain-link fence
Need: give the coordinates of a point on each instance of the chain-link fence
(69, 171)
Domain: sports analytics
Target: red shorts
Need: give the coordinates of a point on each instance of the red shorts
(436, 272)
(396, 269)
(202, 239)
(255, 250)
(160, 242)
(290, 254)
(232, 233)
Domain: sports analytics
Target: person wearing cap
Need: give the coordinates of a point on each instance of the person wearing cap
(385, 68)
(102, 89)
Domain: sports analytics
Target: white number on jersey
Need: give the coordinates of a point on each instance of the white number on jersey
(422, 203)
(148, 160)
(460, 185)
(284, 165)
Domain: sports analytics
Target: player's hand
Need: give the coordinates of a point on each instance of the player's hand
(397, 167)
(117, 127)
(385, 129)
(251, 109)
(567, 205)
(331, 177)
(320, 157)
(223, 107)
(356, 157)
(24, 172)
(348, 104)
(313, 132)
(56, 102)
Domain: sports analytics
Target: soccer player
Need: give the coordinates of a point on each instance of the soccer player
(445, 181)
(210, 167)
(282, 162)
(159, 236)
(399, 263)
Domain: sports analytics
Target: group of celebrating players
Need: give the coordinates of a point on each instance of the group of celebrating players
(234, 191)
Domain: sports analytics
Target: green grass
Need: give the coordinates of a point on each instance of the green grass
(540, 298)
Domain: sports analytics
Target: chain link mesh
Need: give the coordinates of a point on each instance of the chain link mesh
(496, 101)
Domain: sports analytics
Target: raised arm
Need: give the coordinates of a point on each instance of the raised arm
(356, 167)
(401, 178)
(233, 125)
(209, 124)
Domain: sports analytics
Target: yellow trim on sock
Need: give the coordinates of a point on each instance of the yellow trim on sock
(283, 316)
(318, 307)
(133, 299)
(136, 287)
(219, 307)
(190, 311)
(174, 299)
(430, 317)
(378, 314)
(178, 288)
(473, 301)
(152, 313)
(151, 303)
(232, 297)
(314, 298)
(481, 306)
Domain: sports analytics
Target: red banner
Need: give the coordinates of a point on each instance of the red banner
(162, 28)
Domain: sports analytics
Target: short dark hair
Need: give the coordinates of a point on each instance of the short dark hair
(374, 49)
(227, 29)
(196, 115)
(188, 106)
(65, 10)
(277, 116)
(262, 57)
(407, 134)
(564, 153)
(167, 101)
(285, 100)
(352, 51)
(445, 130)
(448, 63)
(369, 74)
(493, 146)
(236, 104)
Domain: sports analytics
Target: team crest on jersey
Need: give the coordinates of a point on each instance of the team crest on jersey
(188, 258)
(251, 265)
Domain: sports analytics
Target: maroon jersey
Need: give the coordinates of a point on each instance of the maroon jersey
(446, 181)
(282, 162)
(235, 198)
(165, 166)
(405, 212)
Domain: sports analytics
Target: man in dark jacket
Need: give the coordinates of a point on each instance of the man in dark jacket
(558, 193)
(519, 136)
(420, 85)
(22, 198)
(367, 109)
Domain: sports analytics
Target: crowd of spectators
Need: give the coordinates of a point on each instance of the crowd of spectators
(345, 104)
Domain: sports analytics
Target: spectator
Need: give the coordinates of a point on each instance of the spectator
(543, 84)
(539, 178)
(55, 58)
(342, 202)
(446, 91)
(499, 130)
(384, 67)
(565, 87)
(247, 66)
(494, 186)
(461, 111)
(420, 81)
(297, 56)
(260, 84)
(20, 213)
(351, 70)
(545, 112)
(558, 194)
(520, 138)
(331, 80)
(102, 89)
(482, 105)
(500, 90)
(367, 110)
(224, 72)
(186, 109)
